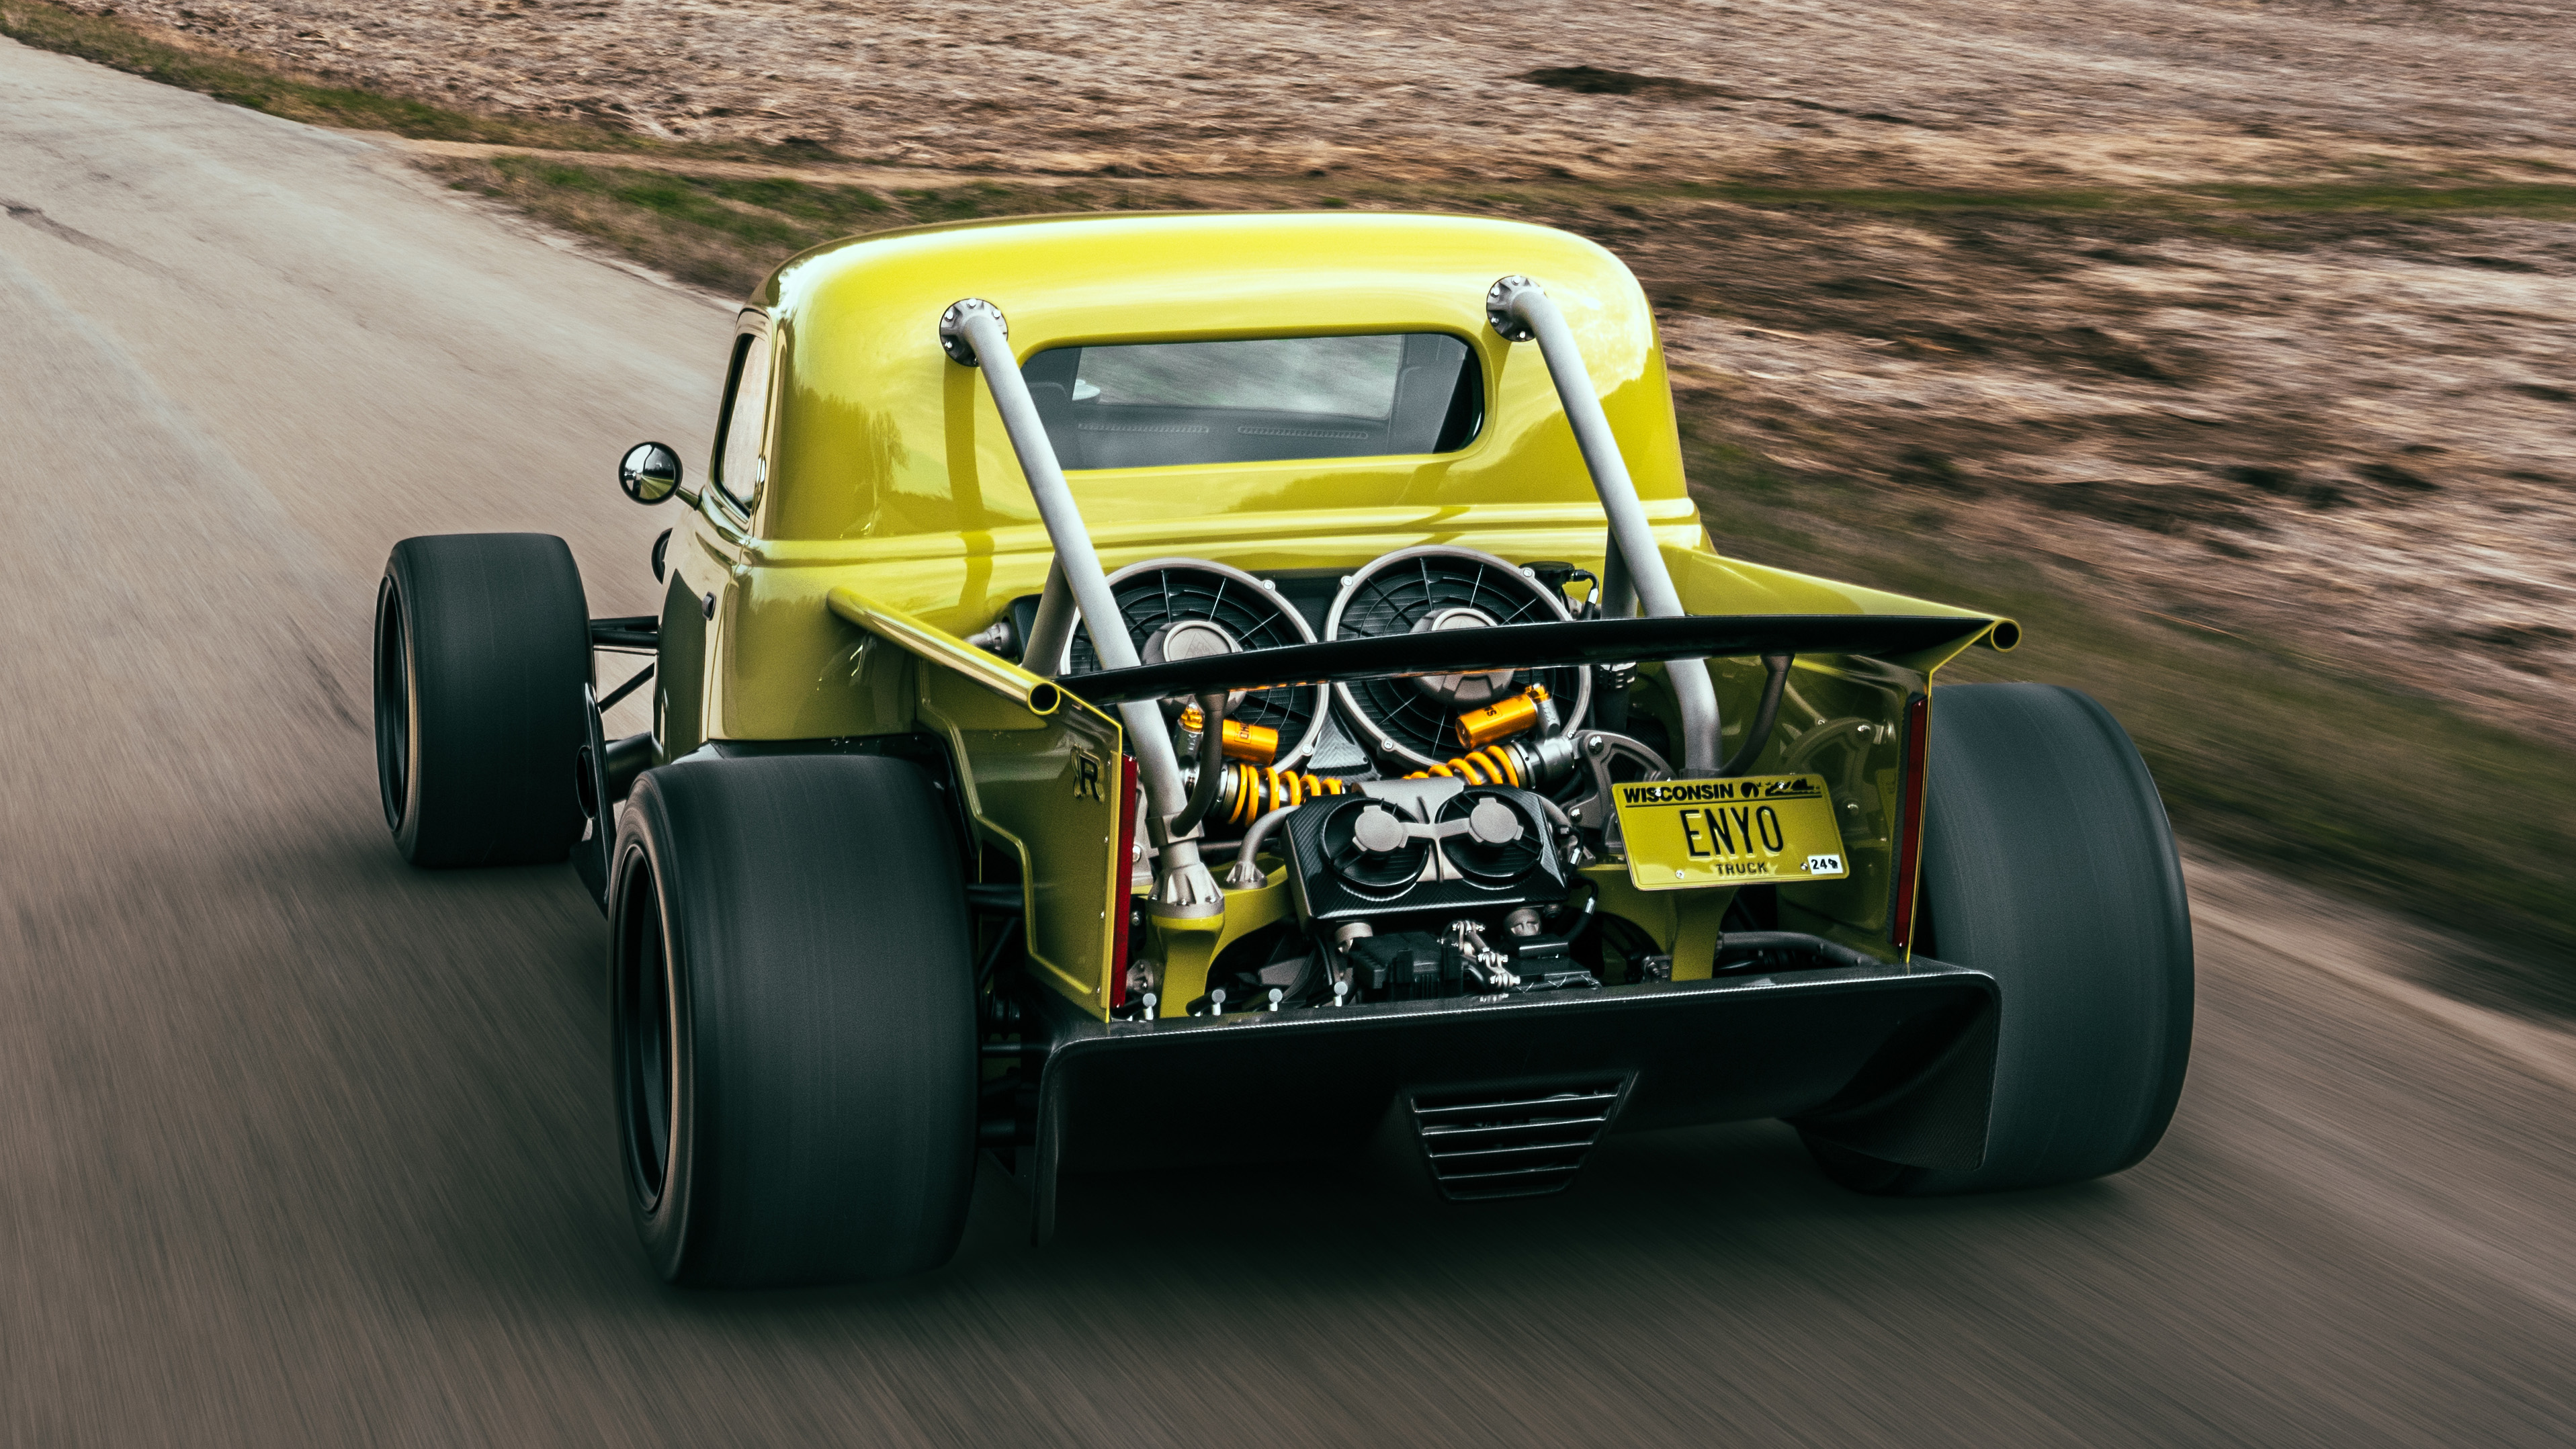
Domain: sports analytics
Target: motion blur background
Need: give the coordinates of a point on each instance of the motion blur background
(2225, 345)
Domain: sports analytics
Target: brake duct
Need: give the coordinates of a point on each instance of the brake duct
(974, 332)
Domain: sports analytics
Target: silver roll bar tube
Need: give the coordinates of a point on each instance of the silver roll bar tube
(1052, 630)
(973, 332)
(1618, 593)
(1520, 311)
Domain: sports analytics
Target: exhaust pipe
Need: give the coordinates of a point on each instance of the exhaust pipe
(1520, 311)
(974, 332)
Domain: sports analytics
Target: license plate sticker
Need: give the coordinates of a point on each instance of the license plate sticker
(1756, 831)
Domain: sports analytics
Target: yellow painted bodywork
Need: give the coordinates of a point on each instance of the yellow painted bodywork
(947, 651)
(893, 518)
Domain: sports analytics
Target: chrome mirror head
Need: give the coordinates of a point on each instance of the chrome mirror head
(649, 473)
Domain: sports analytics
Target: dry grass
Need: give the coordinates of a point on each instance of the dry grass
(176, 59)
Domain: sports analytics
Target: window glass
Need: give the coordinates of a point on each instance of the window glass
(1138, 405)
(738, 443)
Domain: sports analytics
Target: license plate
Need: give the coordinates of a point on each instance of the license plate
(1757, 831)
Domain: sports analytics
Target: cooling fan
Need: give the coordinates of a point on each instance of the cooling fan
(1411, 722)
(1179, 608)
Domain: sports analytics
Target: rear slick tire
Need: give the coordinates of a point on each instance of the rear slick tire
(2048, 864)
(482, 650)
(793, 1021)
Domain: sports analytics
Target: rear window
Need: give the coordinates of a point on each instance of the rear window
(1143, 405)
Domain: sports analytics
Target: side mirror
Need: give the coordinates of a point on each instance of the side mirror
(649, 473)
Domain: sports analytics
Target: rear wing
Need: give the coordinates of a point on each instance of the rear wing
(1524, 646)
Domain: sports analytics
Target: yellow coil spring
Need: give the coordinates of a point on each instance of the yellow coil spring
(1258, 791)
(1491, 765)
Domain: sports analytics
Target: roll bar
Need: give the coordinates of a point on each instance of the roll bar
(1520, 311)
(974, 332)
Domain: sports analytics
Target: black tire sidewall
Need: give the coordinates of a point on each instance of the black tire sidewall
(821, 980)
(2049, 864)
(496, 650)
(662, 1226)
(401, 802)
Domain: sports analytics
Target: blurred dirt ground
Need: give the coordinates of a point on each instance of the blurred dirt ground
(1923, 92)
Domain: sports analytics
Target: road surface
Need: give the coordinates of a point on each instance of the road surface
(298, 1146)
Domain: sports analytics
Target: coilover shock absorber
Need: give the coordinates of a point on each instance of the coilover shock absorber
(1256, 744)
(1519, 745)
(1249, 792)
(1492, 765)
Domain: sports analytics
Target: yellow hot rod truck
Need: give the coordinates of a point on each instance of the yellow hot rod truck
(1152, 689)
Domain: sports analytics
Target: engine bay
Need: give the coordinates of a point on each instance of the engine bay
(1430, 827)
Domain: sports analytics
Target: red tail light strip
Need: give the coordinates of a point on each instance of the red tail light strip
(1909, 821)
(1122, 873)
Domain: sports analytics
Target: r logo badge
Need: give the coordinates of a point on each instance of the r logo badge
(1086, 776)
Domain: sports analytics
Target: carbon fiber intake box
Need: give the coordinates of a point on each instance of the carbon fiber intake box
(1328, 895)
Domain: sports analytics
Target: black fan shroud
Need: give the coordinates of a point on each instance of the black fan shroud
(1498, 866)
(1365, 872)
(1390, 599)
(1153, 596)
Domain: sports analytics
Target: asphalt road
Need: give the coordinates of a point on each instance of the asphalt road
(299, 1146)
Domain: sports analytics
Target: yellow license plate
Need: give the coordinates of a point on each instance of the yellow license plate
(1758, 831)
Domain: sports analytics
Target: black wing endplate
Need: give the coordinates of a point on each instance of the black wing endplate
(1525, 646)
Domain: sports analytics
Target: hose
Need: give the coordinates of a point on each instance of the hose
(1556, 813)
(1764, 716)
(1793, 943)
(1569, 841)
(1247, 873)
(1582, 918)
(1211, 765)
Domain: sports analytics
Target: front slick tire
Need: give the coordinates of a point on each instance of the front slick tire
(792, 988)
(2049, 865)
(482, 649)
